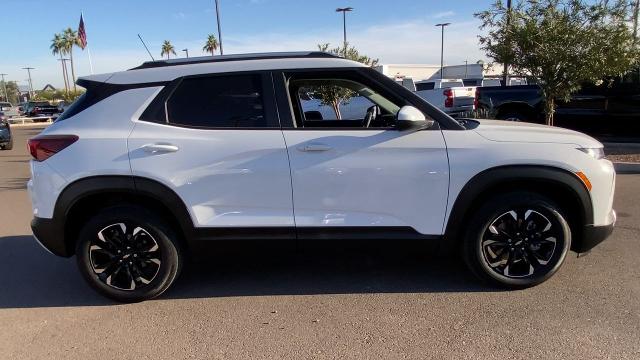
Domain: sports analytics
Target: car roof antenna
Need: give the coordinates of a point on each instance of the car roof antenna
(145, 46)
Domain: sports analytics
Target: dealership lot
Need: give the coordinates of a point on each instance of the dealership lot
(317, 303)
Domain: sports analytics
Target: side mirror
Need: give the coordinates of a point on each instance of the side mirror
(410, 118)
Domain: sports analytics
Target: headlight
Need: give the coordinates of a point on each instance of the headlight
(596, 153)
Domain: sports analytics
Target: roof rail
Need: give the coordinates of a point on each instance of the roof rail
(235, 57)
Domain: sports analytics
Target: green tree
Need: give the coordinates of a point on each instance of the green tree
(561, 43)
(13, 95)
(211, 45)
(70, 40)
(58, 48)
(167, 49)
(333, 95)
(58, 95)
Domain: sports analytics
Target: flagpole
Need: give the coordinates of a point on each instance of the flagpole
(90, 62)
(87, 46)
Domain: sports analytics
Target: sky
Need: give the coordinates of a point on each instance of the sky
(394, 31)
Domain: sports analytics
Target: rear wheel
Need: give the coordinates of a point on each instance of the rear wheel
(517, 240)
(8, 146)
(513, 116)
(128, 254)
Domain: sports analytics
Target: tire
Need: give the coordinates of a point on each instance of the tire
(9, 146)
(139, 268)
(516, 240)
(513, 116)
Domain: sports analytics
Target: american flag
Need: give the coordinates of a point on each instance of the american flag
(82, 35)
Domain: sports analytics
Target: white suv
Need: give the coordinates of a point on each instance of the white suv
(161, 159)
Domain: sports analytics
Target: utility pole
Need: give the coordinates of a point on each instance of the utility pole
(187, 51)
(30, 82)
(442, 26)
(344, 26)
(505, 71)
(219, 31)
(4, 86)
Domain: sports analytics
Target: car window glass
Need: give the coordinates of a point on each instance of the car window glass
(218, 102)
(424, 86)
(341, 103)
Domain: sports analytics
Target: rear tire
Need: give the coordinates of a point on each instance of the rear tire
(9, 146)
(128, 254)
(516, 240)
(513, 116)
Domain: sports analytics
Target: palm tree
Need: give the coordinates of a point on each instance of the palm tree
(211, 45)
(70, 40)
(57, 48)
(167, 49)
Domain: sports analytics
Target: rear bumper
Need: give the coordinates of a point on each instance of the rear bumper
(593, 235)
(50, 235)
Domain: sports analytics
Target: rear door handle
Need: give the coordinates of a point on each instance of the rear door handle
(159, 148)
(314, 147)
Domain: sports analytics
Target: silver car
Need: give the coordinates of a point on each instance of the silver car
(8, 110)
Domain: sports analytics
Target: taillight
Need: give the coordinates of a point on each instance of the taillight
(43, 147)
(448, 102)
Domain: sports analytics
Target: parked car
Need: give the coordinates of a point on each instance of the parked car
(8, 109)
(448, 95)
(603, 109)
(21, 108)
(6, 139)
(131, 190)
(40, 109)
(62, 106)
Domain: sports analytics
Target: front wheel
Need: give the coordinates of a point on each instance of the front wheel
(517, 240)
(126, 253)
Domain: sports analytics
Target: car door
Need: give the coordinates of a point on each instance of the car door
(216, 141)
(352, 172)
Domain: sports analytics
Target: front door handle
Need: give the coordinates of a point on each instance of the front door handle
(314, 147)
(159, 148)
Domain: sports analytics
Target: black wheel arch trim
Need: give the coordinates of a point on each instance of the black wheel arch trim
(540, 174)
(51, 232)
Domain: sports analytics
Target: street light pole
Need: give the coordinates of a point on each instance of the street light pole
(442, 26)
(344, 26)
(30, 82)
(219, 31)
(4, 86)
(187, 51)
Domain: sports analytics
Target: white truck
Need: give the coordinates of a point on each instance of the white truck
(448, 95)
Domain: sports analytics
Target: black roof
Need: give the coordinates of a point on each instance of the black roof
(235, 57)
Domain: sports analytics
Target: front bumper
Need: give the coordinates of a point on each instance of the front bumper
(593, 235)
(50, 235)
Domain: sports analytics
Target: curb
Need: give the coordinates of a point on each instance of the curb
(28, 125)
(627, 167)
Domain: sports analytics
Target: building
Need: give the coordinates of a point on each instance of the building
(469, 72)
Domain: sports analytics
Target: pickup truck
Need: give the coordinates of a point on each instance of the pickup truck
(598, 110)
(448, 95)
(40, 108)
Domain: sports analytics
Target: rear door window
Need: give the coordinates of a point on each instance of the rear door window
(229, 101)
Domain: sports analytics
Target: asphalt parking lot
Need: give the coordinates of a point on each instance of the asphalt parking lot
(349, 303)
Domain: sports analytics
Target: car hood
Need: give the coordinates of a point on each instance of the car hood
(510, 131)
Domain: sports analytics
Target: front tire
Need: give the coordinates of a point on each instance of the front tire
(517, 240)
(127, 254)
